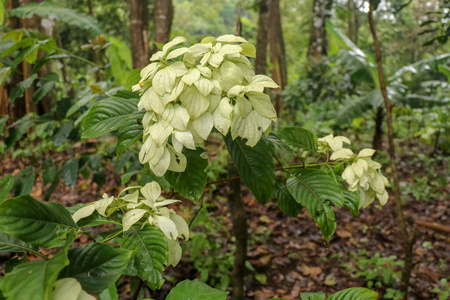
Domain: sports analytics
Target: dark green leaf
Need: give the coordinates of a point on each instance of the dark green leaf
(351, 201)
(127, 176)
(354, 294)
(34, 280)
(133, 78)
(14, 262)
(19, 128)
(69, 172)
(286, 202)
(149, 176)
(61, 14)
(62, 133)
(96, 266)
(20, 88)
(255, 165)
(24, 53)
(299, 137)
(313, 296)
(130, 132)
(151, 253)
(108, 115)
(192, 182)
(314, 189)
(109, 294)
(25, 185)
(42, 91)
(80, 103)
(6, 185)
(4, 74)
(195, 290)
(35, 223)
(9, 243)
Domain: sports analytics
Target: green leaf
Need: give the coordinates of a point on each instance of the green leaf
(4, 74)
(192, 182)
(34, 280)
(248, 50)
(69, 289)
(9, 243)
(313, 296)
(314, 189)
(151, 253)
(195, 290)
(68, 16)
(286, 202)
(299, 137)
(94, 219)
(107, 115)
(62, 133)
(96, 266)
(133, 78)
(351, 201)
(130, 132)
(6, 185)
(20, 88)
(109, 294)
(42, 91)
(24, 53)
(354, 294)
(255, 165)
(14, 262)
(35, 223)
(69, 172)
(79, 104)
(19, 128)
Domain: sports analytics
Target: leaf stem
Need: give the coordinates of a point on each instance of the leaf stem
(111, 237)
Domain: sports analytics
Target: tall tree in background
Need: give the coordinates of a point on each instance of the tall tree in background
(162, 21)
(317, 48)
(262, 37)
(139, 33)
(353, 21)
(277, 53)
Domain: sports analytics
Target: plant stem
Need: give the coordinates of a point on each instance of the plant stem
(407, 241)
(223, 180)
(111, 237)
(138, 289)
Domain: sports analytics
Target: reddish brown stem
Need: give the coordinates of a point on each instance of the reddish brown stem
(407, 241)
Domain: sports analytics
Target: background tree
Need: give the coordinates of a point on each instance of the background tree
(162, 21)
(139, 33)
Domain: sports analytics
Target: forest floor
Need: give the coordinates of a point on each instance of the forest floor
(288, 255)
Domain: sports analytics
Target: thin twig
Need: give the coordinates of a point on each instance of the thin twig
(138, 289)
(224, 180)
(196, 213)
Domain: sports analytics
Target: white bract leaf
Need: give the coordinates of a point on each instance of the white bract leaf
(228, 49)
(185, 138)
(203, 125)
(148, 150)
(159, 133)
(264, 81)
(178, 161)
(131, 217)
(181, 118)
(342, 154)
(102, 205)
(167, 226)
(229, 38)
(164, 80)
(175, 252)
(151, 101)
(177, 52)
(204, 85)
(245, 127)
(149, 71)
(173, 43)
(83, 212)
(195, 103)
(182, 226)
(245, 107)
(192, 76)
(367, 152)
(159, 166)
(133, 198)
(151, 191)
(221, 123)
(262, 104)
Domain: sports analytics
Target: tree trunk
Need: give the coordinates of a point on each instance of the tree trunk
(162, 21)
(353, 21)
(139, 33)
(239, 220)
(277, 53)
(377, 142)
(262, 38)
(317, 48)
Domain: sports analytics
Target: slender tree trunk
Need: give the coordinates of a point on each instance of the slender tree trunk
(238, 20)
(408, 241)
(277, 53)
(162, 21)
(316, 49)
(139, 33)
(353, 21)
(239, 219)
(377, 142)
(262, 38)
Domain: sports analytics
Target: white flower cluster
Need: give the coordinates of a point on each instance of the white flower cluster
(150, 207)
(362, 173)
(188, 91)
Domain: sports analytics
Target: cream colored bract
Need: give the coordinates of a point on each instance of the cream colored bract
(188, 91)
